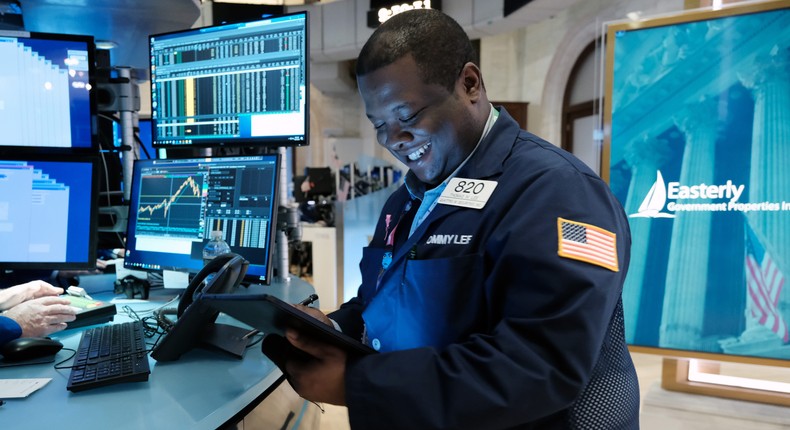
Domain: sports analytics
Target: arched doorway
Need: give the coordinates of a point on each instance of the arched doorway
(579, 118)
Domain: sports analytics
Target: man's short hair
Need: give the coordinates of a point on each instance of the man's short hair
(439, 45)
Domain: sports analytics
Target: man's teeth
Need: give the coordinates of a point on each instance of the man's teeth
(414, 156)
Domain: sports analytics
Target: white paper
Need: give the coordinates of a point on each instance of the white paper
(19, 388)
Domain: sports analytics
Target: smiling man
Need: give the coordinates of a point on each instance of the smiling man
(491, 287)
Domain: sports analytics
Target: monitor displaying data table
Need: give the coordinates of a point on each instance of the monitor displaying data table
(242, 84)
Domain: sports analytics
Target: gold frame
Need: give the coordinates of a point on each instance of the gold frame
(675, 377)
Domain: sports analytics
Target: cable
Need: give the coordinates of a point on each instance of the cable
(112, 118)
(259, 339)
(149, 318)
(73, 353)
(109, 193)
(142, 146)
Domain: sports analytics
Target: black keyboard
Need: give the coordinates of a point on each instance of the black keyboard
(109, 355)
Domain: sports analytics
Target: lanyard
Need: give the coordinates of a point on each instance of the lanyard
(389, 238)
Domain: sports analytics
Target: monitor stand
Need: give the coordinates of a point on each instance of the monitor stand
(228, 338)
(175, 280)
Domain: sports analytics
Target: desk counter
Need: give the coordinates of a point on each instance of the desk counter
(204, 389)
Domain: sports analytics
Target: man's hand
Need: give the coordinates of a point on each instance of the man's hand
(322, 379)
(17, 294)
(42, 316)
(315, 313)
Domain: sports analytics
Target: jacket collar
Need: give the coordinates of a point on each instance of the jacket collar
(489, 159)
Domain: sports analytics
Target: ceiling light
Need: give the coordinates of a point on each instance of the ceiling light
(105, 44)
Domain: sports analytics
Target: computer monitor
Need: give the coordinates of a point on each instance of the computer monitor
(243, 84)
(48, 211)
(46, 90)
(176, 203)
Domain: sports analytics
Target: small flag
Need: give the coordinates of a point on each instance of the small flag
(765, 282)
(588, 243)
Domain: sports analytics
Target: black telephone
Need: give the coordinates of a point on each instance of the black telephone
(230, 269)
(195, 324)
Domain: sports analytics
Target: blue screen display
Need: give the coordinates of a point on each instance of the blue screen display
(46, 91)
(47, 210)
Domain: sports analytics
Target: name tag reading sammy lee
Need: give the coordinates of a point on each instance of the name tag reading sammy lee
(467, 193)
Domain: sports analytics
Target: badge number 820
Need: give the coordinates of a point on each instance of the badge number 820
(468, 193)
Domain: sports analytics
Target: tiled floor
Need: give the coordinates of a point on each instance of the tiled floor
(648, 369)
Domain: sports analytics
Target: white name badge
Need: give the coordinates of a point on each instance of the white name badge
(467, 193)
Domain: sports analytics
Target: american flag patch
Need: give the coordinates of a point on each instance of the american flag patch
(588, 243)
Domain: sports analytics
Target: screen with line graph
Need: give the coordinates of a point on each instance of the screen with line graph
(171, 203)
(241, 84)
(176, 204)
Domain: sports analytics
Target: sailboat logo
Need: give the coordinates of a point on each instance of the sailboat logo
(655, 201)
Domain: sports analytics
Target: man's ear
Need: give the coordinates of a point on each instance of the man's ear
(472, 80)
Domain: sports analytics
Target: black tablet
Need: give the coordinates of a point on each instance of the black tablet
(271, 315)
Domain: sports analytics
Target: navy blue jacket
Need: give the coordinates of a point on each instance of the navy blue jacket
(9, 330)
(481, 323)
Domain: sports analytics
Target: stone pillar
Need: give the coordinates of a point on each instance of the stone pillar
(645, 156)
(770, 163)
(686, 281)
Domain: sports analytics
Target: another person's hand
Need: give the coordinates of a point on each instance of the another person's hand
(42, 316)
(17, 294)
(321, 379)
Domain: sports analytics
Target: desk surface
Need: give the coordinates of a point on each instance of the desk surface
(202, 390)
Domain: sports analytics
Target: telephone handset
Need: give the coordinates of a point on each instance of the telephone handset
(230, 269)
(196, 324)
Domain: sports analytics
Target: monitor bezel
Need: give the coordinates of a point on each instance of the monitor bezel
(92, 70)
(90, 262)
(252, 275)
(238, 142)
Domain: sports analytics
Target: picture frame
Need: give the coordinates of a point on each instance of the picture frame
(696, 127)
